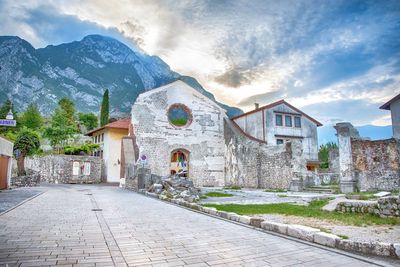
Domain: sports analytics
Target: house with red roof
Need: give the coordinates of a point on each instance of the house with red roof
(280, 122)
(109, 139)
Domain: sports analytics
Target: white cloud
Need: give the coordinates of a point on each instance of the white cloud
(239, 49)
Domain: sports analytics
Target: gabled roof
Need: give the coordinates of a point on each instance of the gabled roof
(276, 104)
(387, 104)
(119, 124)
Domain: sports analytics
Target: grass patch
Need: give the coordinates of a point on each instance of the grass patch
(217, 194)
(275, 190)
(233, 187)
(313, 210)
(343, 236)
(282, 195)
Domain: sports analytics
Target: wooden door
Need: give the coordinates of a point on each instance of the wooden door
(3, 171)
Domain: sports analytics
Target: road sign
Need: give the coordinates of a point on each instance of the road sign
(11, 123)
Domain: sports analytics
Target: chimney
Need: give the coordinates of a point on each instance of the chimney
(256, 105)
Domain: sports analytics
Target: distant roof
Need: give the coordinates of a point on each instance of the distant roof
(276, 104)
(387, 104)
(119, 124)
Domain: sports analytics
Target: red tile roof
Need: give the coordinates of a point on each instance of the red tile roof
(119, 124)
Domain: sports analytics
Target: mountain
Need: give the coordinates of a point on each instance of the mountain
(328, 133)
(81, 71)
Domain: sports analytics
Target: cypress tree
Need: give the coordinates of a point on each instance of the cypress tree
(104, 109)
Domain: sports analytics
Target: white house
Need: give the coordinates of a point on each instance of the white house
(394, 106)
(179, 130)
(280, 122)
(109, 138)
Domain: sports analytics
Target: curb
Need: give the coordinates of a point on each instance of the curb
(301, 232)
(21, 203)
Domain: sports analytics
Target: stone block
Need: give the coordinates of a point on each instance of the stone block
(213, 212)
(275, 227)
(377, 248)
(302, 232)
(223, 214)
(396, 247)
(255, 221)
(325, 239)
(244, 219)
(233, 216)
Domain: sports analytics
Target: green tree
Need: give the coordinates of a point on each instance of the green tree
(68, 109)
(32, 118)
(323, 154)
(5, 108)
(104, 109)
(62, 125)
(89, 120)
(27, 143)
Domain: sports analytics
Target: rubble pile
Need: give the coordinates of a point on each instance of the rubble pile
(175, 187)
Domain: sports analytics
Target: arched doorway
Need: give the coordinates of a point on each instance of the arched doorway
(179, 162)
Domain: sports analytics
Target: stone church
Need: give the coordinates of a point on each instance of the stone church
(177, 130)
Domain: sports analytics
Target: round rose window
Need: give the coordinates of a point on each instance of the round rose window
(179, 115)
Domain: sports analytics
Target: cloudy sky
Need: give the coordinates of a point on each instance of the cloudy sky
(337, 60)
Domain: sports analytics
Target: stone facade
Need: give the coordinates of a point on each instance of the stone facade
(384, 207)
(60, 168)
(254, 164)
(376, 164)
(202, 138)
(367, 165)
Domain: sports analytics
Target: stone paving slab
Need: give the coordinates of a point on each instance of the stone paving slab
(11, 198)
(82, 225)
(258, 196)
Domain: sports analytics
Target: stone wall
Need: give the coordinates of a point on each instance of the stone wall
(254, 164)
(60, 169)
(384, 207)
(376, 164)
(32, 179)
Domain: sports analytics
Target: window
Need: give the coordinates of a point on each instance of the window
(278, 120)
(179, 115)
(288, 121)
(102, 137)
(297, 122)
(279, 141)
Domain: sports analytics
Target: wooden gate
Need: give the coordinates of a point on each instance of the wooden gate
(3, 171)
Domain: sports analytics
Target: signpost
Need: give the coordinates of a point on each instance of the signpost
(11, 123)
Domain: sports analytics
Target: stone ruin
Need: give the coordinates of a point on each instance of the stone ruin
(139, 179)
(175, 187)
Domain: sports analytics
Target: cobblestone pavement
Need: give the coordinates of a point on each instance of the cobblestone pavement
(11, 198)
(106, 226)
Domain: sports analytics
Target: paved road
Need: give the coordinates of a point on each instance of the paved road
(11, 198)
(62, 227)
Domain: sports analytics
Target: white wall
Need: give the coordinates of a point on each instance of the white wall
(6, 149)
(112, 153)
(395, 111)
